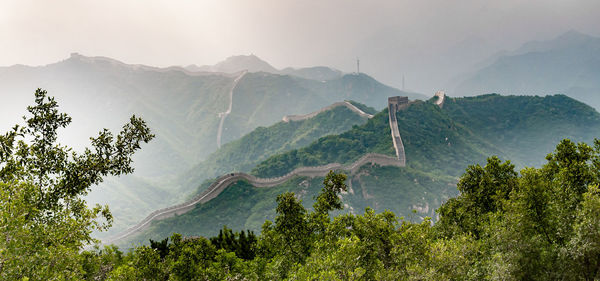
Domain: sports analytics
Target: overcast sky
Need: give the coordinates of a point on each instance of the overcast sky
(391, 37)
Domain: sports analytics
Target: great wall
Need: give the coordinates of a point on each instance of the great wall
(347, 104)
(441, 96)
(224, 114)
(394, 104)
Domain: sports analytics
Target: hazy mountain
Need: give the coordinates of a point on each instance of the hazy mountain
(261, 99)
(253, 63)
(235, 64)
(183, 108)
(320, 73)
(439, 144)
(568, 64)
(243, 154)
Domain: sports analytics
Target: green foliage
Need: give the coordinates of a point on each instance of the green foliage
(483, 191)
(245, 153)
(439, 144)
(344, 148)
(240, 243)
(45, 221)
(539, 224)
(525, 128)
(328, 199)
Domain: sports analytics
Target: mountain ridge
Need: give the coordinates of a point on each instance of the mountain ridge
(567, 64)
(181, 108)
(438, 148)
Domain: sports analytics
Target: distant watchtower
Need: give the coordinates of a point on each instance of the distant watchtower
(397, 103)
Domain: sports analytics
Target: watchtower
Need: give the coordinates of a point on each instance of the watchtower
(397, 102)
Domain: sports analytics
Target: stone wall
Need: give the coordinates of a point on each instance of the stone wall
(227, 180)
(222, 182)
(395, 104)
(350, 106)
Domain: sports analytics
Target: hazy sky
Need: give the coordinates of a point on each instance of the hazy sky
(392, 38)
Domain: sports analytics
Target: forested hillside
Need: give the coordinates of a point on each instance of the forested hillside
(525, 138)
(568, 64)
(243, 154)
(183, 107)
(439, 144)
(536, 224)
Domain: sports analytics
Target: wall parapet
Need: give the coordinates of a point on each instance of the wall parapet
(396, 104)
(440, 98)
(224, 181)
(347, 104)
(221, 183)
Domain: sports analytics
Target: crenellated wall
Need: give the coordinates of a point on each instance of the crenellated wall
(350, 106)
(228, 179)
(222, 182)
(395, 104)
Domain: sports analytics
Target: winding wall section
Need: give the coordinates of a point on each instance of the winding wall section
(395, 104)
(316, 171)
(226, 180)
(224, 114)
(350, 106)
(441, 96)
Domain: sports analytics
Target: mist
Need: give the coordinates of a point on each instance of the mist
(427, 42)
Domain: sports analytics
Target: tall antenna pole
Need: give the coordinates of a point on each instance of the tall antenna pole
(357, 66)
(403, 83)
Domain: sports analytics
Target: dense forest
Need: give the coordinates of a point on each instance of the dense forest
(533, 224)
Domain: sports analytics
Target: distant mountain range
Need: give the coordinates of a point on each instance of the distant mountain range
(439, 144)
(235, 64)
(568, 64)
(185, 109)
(253, 63)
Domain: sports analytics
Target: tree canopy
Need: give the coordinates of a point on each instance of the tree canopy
(536, 224)
(44, 219)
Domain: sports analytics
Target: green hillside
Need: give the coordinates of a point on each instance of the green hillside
(243, 154)
(381, 188)
(525, 138)
(432, 141)
(439, 145)
(183, 109)
(262, 99)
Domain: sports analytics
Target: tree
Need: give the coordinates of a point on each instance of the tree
(242, 245)
(483, 191)
(45, 220)
(328, 199)
(291, 238)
